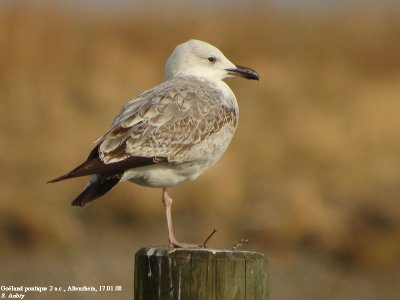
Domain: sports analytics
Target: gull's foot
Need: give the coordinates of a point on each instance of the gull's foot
(176, 244)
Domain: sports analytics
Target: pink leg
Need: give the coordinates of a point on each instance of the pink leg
(173, 243)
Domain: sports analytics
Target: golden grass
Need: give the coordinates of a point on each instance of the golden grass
(315, 164)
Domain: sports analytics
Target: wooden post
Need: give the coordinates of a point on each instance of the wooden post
(200, 274)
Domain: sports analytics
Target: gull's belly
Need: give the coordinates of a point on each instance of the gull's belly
(164, 174)
(197, 160)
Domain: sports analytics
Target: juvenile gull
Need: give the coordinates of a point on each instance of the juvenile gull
(171, 133)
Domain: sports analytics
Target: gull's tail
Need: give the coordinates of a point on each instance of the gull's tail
(98, 185)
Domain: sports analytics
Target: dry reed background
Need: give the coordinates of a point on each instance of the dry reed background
(312, 177)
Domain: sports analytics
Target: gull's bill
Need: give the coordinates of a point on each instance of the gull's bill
(244, 72)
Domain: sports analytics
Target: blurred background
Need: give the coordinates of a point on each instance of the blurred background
(311, 179)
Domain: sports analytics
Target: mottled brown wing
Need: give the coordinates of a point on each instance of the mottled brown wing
(165, 122)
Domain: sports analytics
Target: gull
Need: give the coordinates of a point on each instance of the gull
(170, 133)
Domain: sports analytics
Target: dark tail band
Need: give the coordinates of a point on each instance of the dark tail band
(100, 185)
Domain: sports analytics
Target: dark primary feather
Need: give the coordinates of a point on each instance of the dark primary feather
(104, 176)
(94, 165)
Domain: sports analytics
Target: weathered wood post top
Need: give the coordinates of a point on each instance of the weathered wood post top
(200, 274)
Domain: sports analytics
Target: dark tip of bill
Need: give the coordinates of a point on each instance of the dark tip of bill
(244, 72)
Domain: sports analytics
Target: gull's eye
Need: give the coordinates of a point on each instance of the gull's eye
(211, 59)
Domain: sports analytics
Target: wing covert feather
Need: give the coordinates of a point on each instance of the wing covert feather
(165, 122)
